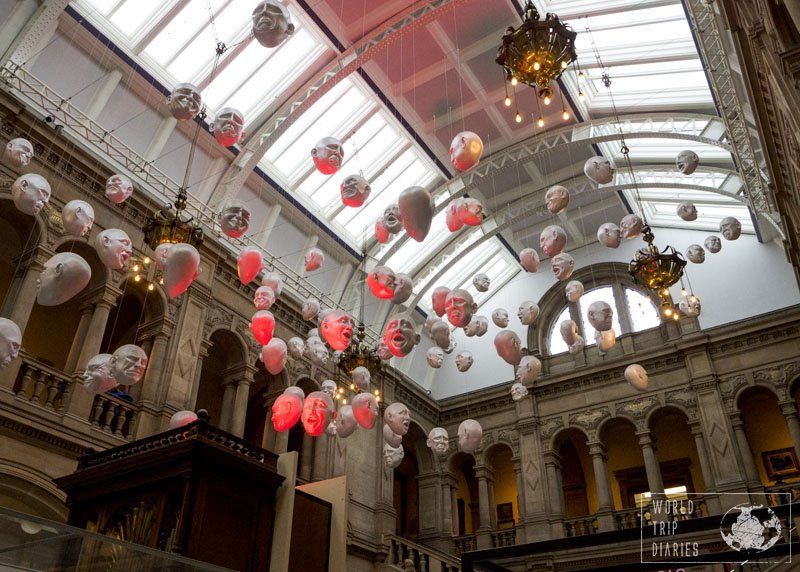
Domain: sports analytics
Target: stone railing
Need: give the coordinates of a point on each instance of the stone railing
(114, 415)
(580, 526)
(42, 385)
(631, 518)
(465, 543)
(507, 537)
(425, 559)
(782, 493)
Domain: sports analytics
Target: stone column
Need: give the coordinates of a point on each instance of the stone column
(483, 531)
(520, 486)
(712, 500)
(245, 380)
(228, 399)
(654, 481)
(552, 464)
(605, 500)
(103, 93)
(448, 516)
(319, 465)
(306, 457)
(77, 341)
(21, 294)
(746, 454)
(789, 411)
(205, 345)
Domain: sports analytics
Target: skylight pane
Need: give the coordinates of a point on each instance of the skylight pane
(412, 254)
(179, 30)
(606, 294)
(132, 14)
(642, 311)
(101, 6)
(557, 344)
(662, 33)
(224, 90)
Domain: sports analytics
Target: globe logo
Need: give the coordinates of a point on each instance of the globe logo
(750, 528)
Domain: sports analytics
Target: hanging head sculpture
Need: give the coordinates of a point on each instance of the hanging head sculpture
(404, 286)
(552, 240)
(563, 265)
(119, 188)
(114, 248)
(228, 126)
(128, 364)
(477, 326)
(508, 346)
(264, 298)
(78, 217)
(317, 412)
(713, 244)
(382, 282)
(391, 219)
(336, 328)
(398, 418)
(272, 24)
(181, 267)
(355, 191)
(401, 334)
(435, 357)
(10, 341)
(609, 235)
(500, 317)
(286, 411)
(438, 441)
(30, 193)
(687, 211)
(365, 409)
(466, 150)
(438, 298)
(687, 161)
(249, 263)
(730, 228)
(97, 377)
(556, 199)
(631, 226)
(599, 170)
(470, 434)
(185, 102)
(440, 334)
(314, 258)
(459, 307)
(273, 356)
(451, 217)
(234, 219)
(328, 155)
(416, 212)
(529, 259)
(19, 152)
(64, 275)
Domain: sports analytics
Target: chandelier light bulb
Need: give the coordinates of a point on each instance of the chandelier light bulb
(547, 100)
(565, 115)
(146, 260)
(514, 81)
(536, 66)
(151, 286)
(540, 122)
(518, 118)
(564, 65)
(507, 101)
(137, 278)
(581, 77)
(136, 268)
(581, 96)
(683, 292)
(676, 316)
(668, 312)
(344, 402)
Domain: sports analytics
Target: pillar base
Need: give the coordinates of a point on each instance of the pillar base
(606, 521)
(483, 539)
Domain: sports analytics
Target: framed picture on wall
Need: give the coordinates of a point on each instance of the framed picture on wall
(505, 513)
(781, 463)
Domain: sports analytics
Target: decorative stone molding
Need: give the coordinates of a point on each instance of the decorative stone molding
(638, 408)
(777, 376)
(729, 386)
(215, 316)
(589, 419)
(174, 306)
(550, 426)
(403, 394)
(746, 343)
(253, 347)
(684, 398)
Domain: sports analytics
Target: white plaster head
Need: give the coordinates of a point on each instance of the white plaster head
(97, 377)
(181, 419)
(577, 346)
(249, 263)
(435, 357)
(518, 391)
(392, 456)
(430, 320)
(477, 326)
(336, 328)
(119, 188)
(438, 299)
(391, 438)
(689, 305)
(552, 240)
(401, 334)
(464, 360)
(329, 386)
(264, 298)
(481, 282)
(114, 248)
(459, 307)
(382, 282)
(466, 150)
(354, 191)
(317, 413)
(609, 235)
(328, 155)
(470, 434)
(398, 418)
(296, 347)
(272, 23)
(599, 170)
(128, 364)
(274, 281)
(64, 275)
(451, 217)
(362, 378)
(19, 152)
(160, 257)
(78, 217)
(314, 258)
(687, 211)
(181, 268)
(605, 340)
(294, 390)
(687, 161)
(234, 219)
(438, 441)
(713, 244)
(287, 409)
(556, 199)
(574, 290)
(730, 228)
(600, 315)
(10, 341)
(470, 211)
(569, 331)
(416, 212)
(562, 265)
(529, 369)
(313, 333)
(528, 312)
(440, 334)
(508, 346)
(365, 409)
(636, 375)
(228, 126)
(30, 192)
(185, 102)
(381, 232)
(346, 423)
(696, 254)
(500, 317)
(262, 326)
(631, 226)
(391, 219)
(383, 351)
(274, 355)
(310, 309)
(403, 287)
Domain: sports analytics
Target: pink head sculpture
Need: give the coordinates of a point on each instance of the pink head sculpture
(438, 298)
(563, 265)
(381, 232)
(314, 258)
(466, 150)
(459, 307)
(160, 257)
(328, 155)
(273, 356)
(30, 193)
(451, 217)
(64, 275)
(336, 328)
(508, 346)
(404, 286)
(381, 281)
(249, 263)
(355, 191)
(310, 309)
(274, 281)
(118, 188)
(182, 419)
(228, 126)
(552, 240)
(286, 411)
(416, 212)
(556, 199)
(262, 326)
(470, 211)
(529, 259)
(401, 334)
(365, 410)
(317, 412)
(181, 268)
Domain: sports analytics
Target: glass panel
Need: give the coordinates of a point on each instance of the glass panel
(184, 26)
(606, 294)
(642, 311)
(558, 345)
(101, 6)
(132, 14)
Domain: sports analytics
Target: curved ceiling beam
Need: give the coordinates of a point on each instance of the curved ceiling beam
(270, 128)
(516, 211)
(564, 140)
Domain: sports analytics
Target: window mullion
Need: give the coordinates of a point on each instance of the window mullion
(621, 300)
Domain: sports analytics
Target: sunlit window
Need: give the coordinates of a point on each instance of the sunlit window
(557, 345)
(672, 493)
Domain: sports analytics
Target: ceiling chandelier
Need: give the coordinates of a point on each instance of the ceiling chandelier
(658, 270)
(537, 52)
(172, 224)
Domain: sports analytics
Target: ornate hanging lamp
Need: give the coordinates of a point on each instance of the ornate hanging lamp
(658, 270)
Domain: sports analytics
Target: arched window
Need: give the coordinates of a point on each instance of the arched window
(633, 312)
